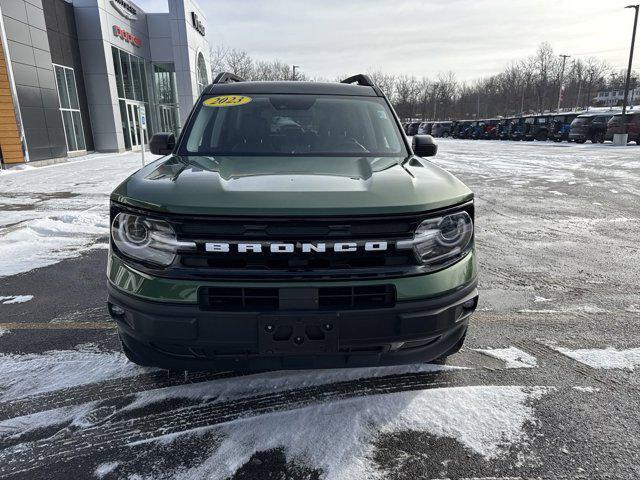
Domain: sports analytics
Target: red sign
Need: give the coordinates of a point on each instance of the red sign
(126, 36)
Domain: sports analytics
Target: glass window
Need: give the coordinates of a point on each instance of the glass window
(143, 80)
(70, 108)
(77, 129)
(71, 85)
(117, 70)
(297, 125)
(203, 78)
(63, 92)
(137, 82)
(125, 124)
(69, 132)
(127, 80)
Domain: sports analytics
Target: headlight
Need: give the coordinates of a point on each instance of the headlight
(440, 241)
(146, 239)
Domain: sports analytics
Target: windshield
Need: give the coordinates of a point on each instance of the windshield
(293, 125)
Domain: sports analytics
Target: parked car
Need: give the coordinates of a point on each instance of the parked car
(441, 129)
(590, 126)
(425, 128)
(490, 130)
(412, 128)
(503, 128)
(537, 127)
(475, 130)
(461, 130)
(517, 128)
(206, 277)
(560, 126)
(632, 121)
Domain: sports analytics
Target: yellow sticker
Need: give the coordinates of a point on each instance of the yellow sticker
(226, 101)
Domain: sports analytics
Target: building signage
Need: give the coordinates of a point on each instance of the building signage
(125, 9)
(197, 24)
(126, 36)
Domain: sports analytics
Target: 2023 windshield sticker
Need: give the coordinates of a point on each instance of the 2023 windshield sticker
(226, 101)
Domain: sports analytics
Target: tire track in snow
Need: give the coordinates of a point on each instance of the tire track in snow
(100, 391)
(548, 356)
(164, 419)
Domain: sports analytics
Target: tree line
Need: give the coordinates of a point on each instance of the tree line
(527, 85)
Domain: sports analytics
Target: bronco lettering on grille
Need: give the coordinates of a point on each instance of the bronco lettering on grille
(318, 247)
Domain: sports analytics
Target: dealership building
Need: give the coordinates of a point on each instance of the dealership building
(81, 75)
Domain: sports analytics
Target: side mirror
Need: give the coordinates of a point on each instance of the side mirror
(424, 146)
(162, 143)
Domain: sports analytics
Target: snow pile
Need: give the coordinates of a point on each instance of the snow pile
(605, 358)
(33, 374)
(512, 356)
(45, 241)
(7, 300)
(338, 437)
(58, 211)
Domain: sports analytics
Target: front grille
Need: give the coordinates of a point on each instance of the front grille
(298, 265)
(293, 261)
(268, 299)
(292, 266)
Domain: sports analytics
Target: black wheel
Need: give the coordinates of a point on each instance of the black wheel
(445, 134)
(541, 137)
(580, 141)
(600, 137)
(453, 350)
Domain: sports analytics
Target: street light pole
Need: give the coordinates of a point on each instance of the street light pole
(564, 61)
(626, 85)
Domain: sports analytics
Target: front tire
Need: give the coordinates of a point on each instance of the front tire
(132, 356)
(442, 359)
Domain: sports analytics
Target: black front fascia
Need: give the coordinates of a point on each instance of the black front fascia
(297, 266)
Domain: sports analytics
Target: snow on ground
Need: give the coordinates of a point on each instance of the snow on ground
(10, 299)
(605, 358)
(225, 390)
(55, 212)
(105, 469)
(32, 374)
(338, 437)
(512, 356)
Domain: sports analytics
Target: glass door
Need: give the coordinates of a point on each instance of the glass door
(134, 129)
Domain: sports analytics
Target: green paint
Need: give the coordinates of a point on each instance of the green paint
(147, 287)
(291, 186)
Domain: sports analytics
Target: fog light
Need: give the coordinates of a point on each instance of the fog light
(469, 304)
(115, 311)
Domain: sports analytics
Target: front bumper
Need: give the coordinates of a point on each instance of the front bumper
(182, 336)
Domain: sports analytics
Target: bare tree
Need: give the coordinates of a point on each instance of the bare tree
(218, 58)
(239, 63)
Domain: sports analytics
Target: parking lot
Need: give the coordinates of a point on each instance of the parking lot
(545, 386)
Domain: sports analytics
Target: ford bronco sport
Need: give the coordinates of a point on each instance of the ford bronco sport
(291, 225)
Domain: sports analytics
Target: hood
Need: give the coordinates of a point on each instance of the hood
(236, 185)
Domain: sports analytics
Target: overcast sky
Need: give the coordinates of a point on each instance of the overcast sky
(473, 38)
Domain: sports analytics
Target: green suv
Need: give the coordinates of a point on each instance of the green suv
(291, 225)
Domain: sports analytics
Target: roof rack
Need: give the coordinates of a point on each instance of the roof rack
(226, 77)
(360, 79)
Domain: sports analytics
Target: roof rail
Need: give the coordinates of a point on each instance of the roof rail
(360, 79)
(226, 77)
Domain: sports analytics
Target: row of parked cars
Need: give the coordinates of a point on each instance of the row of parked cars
(596, 127)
